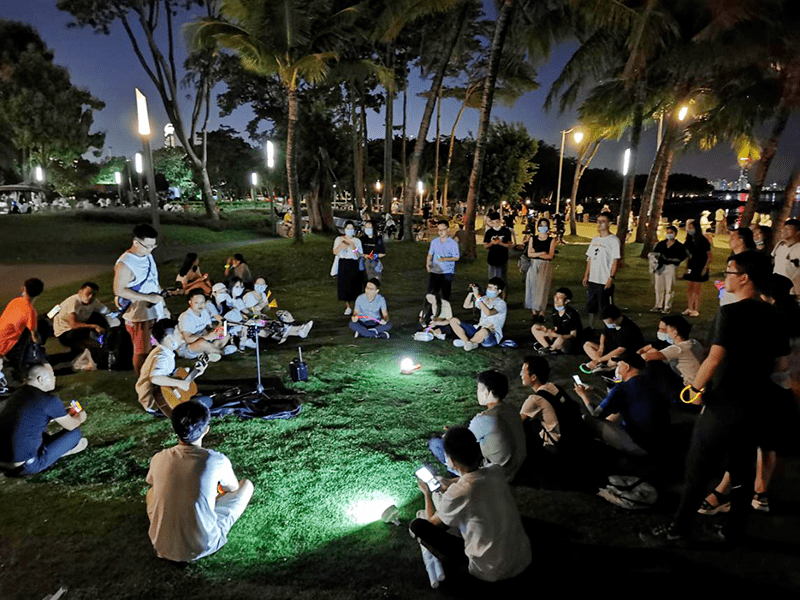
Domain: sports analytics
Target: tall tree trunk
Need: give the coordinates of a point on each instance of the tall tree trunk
(450, 153)
(367, 195)
(789, 198)
(436, 161)
(762, 168)
(627, 187)
(498, 41)
(416, 157)
(658, 202)
(584, 160)
(649, 191)
(358, 174)
(291, 170)
(388, 138)
(405, 122)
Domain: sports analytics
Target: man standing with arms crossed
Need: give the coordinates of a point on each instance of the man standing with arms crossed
(601, 268)
(137, 291)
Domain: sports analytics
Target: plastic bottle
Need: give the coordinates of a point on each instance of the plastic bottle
(433, 566)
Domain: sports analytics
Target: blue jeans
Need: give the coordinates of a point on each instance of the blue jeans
(436, 446)
(369, 329)
(53, 447)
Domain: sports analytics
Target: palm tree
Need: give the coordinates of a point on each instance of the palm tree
(295, 40)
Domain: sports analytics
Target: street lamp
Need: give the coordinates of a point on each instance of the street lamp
(378, 187)
(420, 190)
(253, 184)
(270, 155)
(118, 181)
(684, 110)
(144, 133)
(578, 138)
(138, 166)
(39, 174)
(626, 161)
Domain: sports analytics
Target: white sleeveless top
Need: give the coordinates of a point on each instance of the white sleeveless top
(145, 277)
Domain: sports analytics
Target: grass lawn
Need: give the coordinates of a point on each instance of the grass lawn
(352, 450)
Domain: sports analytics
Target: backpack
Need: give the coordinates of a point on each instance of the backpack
(116, 350)
(567, 412)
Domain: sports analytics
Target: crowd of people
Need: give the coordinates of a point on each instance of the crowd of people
(470, 521)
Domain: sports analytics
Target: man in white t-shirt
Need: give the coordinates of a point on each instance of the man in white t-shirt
(489, 330)
(601, 268)
(79, 316)
(202, 330)
(195, 496)
(492, 544)
(683, 356)
(787, 254)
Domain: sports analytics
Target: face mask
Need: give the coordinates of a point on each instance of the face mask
(349, 232)
(491, 293)
(759, 243)
(368, 232)
(221, 297)
(617, 376)
(662, 335)
(670, 236)
(543, 229)
(690, 232)
(670, 340)
(260, 288)
(237, 291)
(611, 325)
(561, 308)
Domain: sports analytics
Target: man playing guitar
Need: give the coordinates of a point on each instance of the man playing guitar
(159, 373)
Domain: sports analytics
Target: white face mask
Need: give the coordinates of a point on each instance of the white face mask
(561, 308)
(611, 325)
(544, 229)
(237, 291)
(662, 335)
(670, 236)
(670, 340)
(491, 293)
(349, 232)
(222, 297)
(260, 287)
(368, 231)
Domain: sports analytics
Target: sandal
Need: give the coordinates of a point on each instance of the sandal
(723, 504)
(761, 502)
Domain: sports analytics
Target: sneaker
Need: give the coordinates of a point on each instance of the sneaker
(458, 343)
(348, 311)
(213, 357)
(694, 313)
(247, 343)
(554, 352)
(79, 447)
(355, 334)
(655, 309)
(229, 349)
(384, 335)
(439, 335)
(687, 312)
(761, 502)
(663, 535)
(539, 348)
(305, 329)
(284, 335)
(469, 346)
(602, 367)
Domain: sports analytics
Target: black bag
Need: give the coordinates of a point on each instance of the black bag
(116, 350)
(568, 414)
(298, 370)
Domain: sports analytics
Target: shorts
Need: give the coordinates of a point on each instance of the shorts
(471, 330)
(140, 336)
(598, 297)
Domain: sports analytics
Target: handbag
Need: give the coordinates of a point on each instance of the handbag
(523, 263)
(335, 267)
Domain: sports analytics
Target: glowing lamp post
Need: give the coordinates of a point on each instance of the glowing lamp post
(378, 187)
(626, 162)
(420, 191)
(138, 166)
(578, 137)
(38, 174)
(118, 181)
(270, 191)
(253, 185)
(144, 133)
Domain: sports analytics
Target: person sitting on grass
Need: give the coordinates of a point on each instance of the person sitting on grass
(498, 429)
(19, 327)
(620, 335)
(25, 445)
(489, 330)
(201, 330)
(195, 497)
(682, 357)
(259, 301)
(190, 277)
(80, 316)
(548, 407)
(159, 369)
(631, 418)
(567, 330)
(434, 318)
(370, 316)
(236, 267)
(491, 543)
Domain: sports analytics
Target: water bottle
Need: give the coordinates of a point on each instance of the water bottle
(433, 566)
(112, 358)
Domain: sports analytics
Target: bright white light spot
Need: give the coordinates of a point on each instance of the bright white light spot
(406, 364)
(682, 113)
(420, 187)
(271, 155)
(138, 163)
(578, 137)
(141, 113)
(626, 161)
(117, 177)
(254, 178)
(369, 511)
(39, 174)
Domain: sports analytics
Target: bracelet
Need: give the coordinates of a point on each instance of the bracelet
(697, 396)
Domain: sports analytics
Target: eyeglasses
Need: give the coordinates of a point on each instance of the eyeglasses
(733, 273)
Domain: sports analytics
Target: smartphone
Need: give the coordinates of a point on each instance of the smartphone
(224, 328)
(578, 381)
(424, 474)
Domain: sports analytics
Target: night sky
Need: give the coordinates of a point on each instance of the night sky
(107, 67)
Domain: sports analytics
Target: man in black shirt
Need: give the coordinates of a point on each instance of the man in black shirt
(498, 241)
(25, 446)
(566, 331)
(620, 335)
(733, 384)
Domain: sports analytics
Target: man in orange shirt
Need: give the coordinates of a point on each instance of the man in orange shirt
(18, 316)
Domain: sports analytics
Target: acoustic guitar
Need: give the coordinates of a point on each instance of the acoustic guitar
(172, 396)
